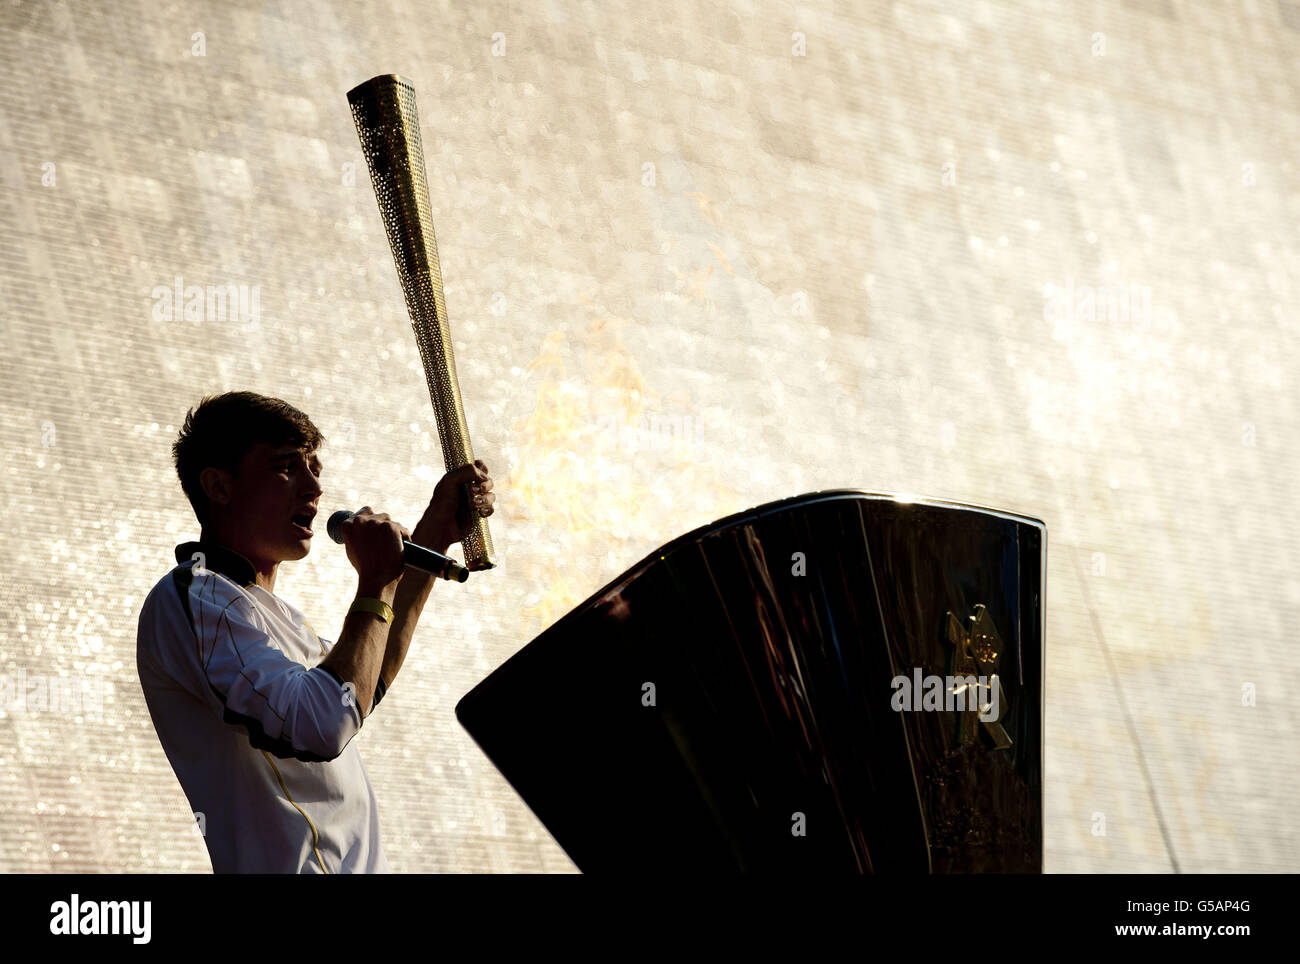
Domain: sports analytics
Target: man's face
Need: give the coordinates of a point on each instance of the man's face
(274, 499)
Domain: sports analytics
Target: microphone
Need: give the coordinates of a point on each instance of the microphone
(417, 557)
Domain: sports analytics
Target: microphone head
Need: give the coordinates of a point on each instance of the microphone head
(334, 526)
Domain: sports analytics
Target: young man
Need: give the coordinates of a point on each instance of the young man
(255, 712)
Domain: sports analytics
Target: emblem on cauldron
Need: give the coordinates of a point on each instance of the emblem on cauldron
(978, 650)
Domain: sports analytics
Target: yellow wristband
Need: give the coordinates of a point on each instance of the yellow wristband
(376, 606)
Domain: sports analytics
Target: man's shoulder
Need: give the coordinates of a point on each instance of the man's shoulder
(188, 584)
(157, 595)
(157, 624)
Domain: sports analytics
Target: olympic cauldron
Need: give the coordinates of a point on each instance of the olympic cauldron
(736, 702)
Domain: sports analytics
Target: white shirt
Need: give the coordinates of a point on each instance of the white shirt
(259, 735)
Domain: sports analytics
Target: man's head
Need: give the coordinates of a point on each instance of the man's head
(248, 465)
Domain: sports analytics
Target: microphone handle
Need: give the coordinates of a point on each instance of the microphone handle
(426, 560)
(417, 557)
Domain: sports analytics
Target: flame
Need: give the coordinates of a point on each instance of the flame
(595, 507)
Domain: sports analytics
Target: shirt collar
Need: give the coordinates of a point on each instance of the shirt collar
(219, 558)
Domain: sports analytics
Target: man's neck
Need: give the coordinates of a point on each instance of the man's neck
(264, 569)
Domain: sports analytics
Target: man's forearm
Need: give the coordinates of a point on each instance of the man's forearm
(412, 593)
(357, 657)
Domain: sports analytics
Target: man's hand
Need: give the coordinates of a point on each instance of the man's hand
(374, 544)
(458, 499)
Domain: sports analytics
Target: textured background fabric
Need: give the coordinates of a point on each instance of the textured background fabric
(820, 245)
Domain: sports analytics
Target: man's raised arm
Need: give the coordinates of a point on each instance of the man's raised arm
(374, 545)
(446, 520)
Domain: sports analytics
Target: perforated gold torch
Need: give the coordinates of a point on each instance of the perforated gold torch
(389, 126)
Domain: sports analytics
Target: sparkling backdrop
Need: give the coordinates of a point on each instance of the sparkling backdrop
(1041, 257)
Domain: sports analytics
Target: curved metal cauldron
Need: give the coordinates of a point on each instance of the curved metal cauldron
(728, 703)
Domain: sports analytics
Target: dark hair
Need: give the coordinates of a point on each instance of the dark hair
(222, 429)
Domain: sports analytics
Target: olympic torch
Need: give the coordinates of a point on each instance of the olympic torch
(389, 126)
